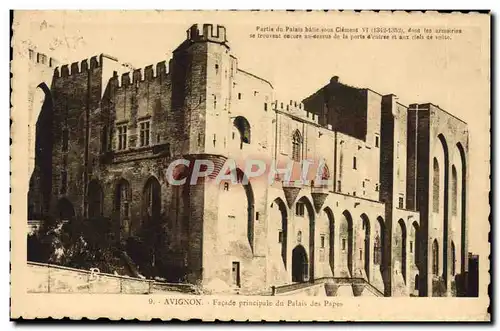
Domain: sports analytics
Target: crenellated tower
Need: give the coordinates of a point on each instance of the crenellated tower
(202, 69)
(79, 114)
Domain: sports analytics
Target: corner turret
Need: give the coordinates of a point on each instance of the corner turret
(207, 32)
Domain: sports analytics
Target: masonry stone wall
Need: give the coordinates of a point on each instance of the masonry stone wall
(443, 138)
(344, 106)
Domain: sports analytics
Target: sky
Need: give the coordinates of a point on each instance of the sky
(453, 74)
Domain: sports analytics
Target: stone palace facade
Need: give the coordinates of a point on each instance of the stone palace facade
(393, 216)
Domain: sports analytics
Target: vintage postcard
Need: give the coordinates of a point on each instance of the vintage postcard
(260, 166)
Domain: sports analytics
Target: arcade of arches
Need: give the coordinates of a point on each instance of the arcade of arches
(353, 244)
(339, 245)
(122, 198)
(329, 243)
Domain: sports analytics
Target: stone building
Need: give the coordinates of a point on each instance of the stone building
(394, 215)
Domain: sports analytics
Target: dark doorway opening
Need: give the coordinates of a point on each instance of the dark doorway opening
(300, 265)
(66, 212)
(236, 274)
(95, 198)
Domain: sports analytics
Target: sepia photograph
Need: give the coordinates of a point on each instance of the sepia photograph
(263, 161)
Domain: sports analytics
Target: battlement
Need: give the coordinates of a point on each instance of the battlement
(295, 108)
(207, 32)
(148, 73)
(41, 58)
(78, 67)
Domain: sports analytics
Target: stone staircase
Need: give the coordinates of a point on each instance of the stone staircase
(331, 287)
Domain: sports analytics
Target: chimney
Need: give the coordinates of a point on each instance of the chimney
(334, 79)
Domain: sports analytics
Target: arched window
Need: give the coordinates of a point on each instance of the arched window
(402, 252)
(366, 249)
(243, 127)
(377, 250)
(454, 190)
(297, 146)
(417, 239)
(325, 173)
(378, 246)
(435, 187)
(435, 257)
(463, 206)
(151, 201)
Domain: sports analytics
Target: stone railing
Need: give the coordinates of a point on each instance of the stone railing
(49, 278)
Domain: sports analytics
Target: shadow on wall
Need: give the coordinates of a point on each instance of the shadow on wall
(472, 277)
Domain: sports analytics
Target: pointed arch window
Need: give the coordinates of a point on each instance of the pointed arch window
(325, 173)
(151, 201)
(243, 126)
(435, 186)
(454, 191)
(297, 146)
(377, 250)
(435, 258)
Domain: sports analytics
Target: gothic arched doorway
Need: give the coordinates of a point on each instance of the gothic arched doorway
(300, 265)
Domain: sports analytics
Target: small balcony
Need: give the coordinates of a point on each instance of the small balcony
(319, 194)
